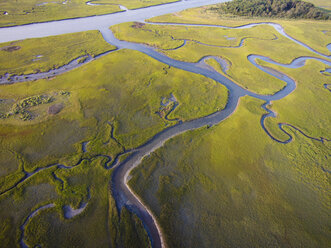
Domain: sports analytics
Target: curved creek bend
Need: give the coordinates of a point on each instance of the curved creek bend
(122, 193)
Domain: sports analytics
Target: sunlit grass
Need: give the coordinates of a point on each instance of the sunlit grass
(31, 11)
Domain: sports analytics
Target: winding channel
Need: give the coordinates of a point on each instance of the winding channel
(122, 193)
(26, 221)
(276, 26)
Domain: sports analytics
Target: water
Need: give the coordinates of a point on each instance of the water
(122, 193)
(329, 47)
(276, 26)
(34, 213)
(38, 30)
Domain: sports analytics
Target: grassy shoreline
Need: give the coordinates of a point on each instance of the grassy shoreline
(124, 88)
(205, 15)
(35, 11)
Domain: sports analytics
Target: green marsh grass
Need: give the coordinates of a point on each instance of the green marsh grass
(324, 4)
(305, 108)
(261, 40)
(307, 31)
(35, 55)
(32, 11)
(120, 91)
(233, 186)
(228, 185)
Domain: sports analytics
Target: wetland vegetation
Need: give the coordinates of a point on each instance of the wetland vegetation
(35, 55)
(208, 187)
(20, 12)
(259, 176)
(115, 113)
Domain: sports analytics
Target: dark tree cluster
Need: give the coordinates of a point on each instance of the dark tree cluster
(274, 8)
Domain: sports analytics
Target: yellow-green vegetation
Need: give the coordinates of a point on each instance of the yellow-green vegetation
(262, 40)
(232, 186)
(28, 108)
(170, 37)
(98, 226)
(315, 38)
(324, 4)
(123, 91)
(318, 37)
(22, 107)
(133, 4)
(110, 102)
(310, 97)
(229, 185)
(35, 55)
(31, 11)
(213, 63)
(94, 227)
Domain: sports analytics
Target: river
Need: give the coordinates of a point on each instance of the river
(123, 195)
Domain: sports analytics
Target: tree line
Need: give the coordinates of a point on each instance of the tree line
(274, 8)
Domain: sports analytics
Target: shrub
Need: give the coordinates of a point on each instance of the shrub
(273, 8)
